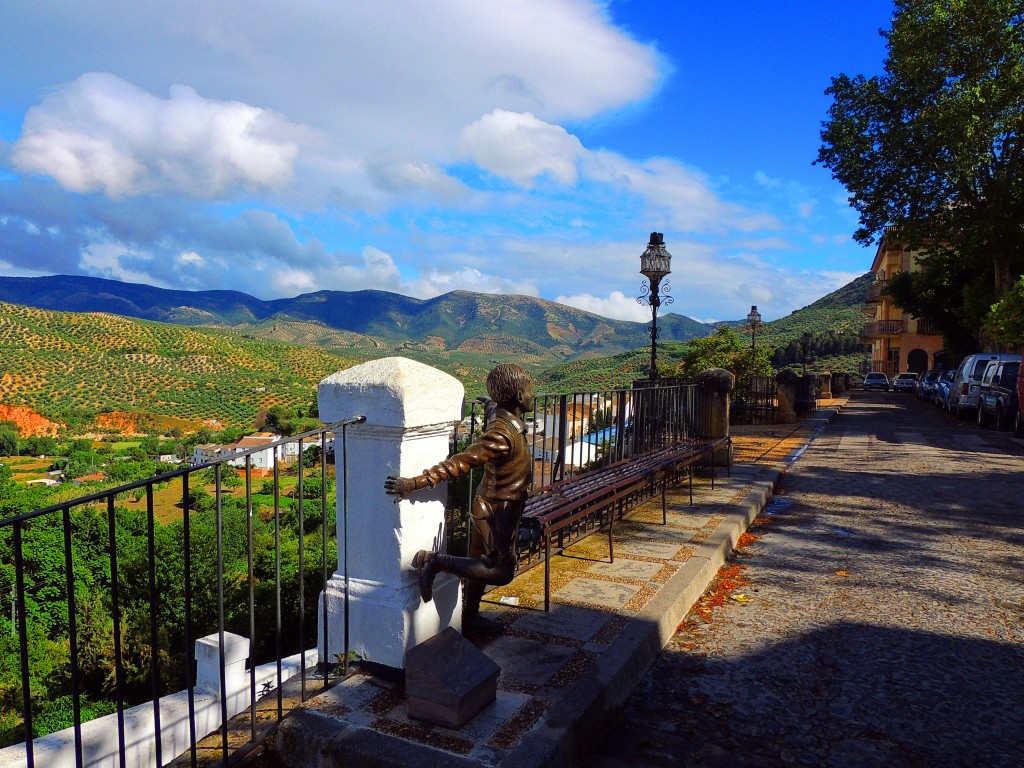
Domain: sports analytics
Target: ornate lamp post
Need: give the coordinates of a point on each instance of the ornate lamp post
(805, 342)
(655, 263)
(754, 320)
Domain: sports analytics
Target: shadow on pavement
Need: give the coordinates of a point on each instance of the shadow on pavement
(845, 695)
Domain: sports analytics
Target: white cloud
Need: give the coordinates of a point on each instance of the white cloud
(191, 258)
(100, 133)
(114, 261)
(387, 73)
(796, 195)
(615, 305)
(519, 147)
(433, 282)
(400, 172)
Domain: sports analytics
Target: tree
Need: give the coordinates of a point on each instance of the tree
(932, 148)
(8, 442)
(1006, 320)
(723, 350)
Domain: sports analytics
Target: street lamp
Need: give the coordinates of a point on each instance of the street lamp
(754, 320)
(805, 342)
(655, 264)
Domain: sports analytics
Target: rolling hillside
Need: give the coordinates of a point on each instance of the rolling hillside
(833, 320)
(71, 367)
(457, 322)
(83, 368)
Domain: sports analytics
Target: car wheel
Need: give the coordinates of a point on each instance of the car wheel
(980, 415)
(1018, 425)
(1000, 419)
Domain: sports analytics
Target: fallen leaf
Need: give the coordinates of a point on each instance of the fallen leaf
(842, 573)
(741, 598)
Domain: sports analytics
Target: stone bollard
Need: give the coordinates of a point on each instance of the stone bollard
(838, 384)
(409, 409)
(236, 652)
(786, 382)
(715, 384)
(825, 380)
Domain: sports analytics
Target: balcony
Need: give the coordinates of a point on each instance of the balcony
(873, 330)
(889, 367)
(875, 291)
(884, 328)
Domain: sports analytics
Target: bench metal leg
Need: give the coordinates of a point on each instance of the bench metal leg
(664, 509)
(611, 541)
(547, 572)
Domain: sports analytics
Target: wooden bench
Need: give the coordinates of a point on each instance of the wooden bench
(573, 508)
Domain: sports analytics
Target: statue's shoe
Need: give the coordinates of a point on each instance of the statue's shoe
(425, 564)
(480, 625)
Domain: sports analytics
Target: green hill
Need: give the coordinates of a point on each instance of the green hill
(375, 321)
(73, 366)
(834, 322)
(70, 367)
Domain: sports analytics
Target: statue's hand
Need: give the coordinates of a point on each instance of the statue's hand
(400, 487)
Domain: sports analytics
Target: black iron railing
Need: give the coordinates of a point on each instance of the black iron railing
(572, 433)
(754, 400)
(147, 586)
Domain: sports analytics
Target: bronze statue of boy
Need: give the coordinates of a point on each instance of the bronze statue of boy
(504, 454)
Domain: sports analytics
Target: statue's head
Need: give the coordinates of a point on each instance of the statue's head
(511, 387)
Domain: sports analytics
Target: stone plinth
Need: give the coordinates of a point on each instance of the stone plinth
(409, 409)
(825, 380)
(715, 385)
(786, 382)
(449, 680)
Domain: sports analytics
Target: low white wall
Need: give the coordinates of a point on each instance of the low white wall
(99, 737)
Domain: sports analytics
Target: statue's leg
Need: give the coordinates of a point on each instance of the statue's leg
(491, 561)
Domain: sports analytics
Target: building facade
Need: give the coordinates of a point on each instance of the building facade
(899, 342)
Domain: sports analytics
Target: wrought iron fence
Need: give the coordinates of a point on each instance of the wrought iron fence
(572, 433)
(155, 585)
(754, 400)
(156, 582)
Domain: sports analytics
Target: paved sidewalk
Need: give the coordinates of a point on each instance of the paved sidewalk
(877, 621)
(565, 673)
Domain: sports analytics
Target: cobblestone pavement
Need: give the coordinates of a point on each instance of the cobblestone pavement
(877, 621)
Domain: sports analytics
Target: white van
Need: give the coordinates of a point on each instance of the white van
(963, 391)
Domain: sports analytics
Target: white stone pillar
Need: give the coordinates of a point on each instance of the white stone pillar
(410, 409)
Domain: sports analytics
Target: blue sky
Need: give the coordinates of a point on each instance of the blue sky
(525, 146)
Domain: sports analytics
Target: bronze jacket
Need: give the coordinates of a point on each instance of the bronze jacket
(504, 454)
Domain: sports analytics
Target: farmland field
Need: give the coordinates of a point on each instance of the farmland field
(70, 366)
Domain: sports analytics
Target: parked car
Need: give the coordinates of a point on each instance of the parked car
(926, 385)
(997, 396)
(963, 392)
(940, 393)
(905, 382)
(876, 380)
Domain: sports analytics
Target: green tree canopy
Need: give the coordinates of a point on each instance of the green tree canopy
(932, 148)
(1006, 320)
(723, 350)
(8, 442)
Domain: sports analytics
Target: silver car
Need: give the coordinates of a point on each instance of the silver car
(905, 382)
(876, 380)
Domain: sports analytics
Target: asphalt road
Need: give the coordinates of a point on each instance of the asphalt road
(880, 616)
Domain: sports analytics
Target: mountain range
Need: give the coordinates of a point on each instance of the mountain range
(543, 331)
